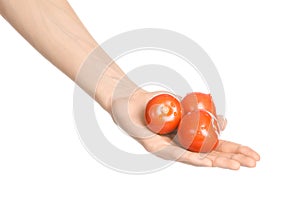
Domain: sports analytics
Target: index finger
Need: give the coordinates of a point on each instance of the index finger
(231, 147)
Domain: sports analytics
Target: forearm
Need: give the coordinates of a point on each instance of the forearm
(52, 27)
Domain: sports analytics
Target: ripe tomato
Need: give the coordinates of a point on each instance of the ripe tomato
(163, 114)
(198, 132)
(196, 100)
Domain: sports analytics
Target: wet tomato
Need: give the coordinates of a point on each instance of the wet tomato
(196, 100)
(163, 114)
(198, 132)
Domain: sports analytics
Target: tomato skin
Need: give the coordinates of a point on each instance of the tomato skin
(196, 100)
(198, 132)
(163, 114)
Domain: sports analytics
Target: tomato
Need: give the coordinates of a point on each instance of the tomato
(198, 132)
(163, 114)
(196, 100)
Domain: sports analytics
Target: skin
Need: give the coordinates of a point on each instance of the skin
(53, 28)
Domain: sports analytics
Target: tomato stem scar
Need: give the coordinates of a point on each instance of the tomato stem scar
(165, 110)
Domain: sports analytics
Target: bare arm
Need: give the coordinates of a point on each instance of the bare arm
(53, 28)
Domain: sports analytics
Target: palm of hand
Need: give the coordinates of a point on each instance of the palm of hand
(128, 113)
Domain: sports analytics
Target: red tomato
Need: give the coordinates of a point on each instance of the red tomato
(163, 114)
(196, 100)
(198, 132)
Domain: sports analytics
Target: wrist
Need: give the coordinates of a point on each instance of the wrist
(103, 80)
(111, 89)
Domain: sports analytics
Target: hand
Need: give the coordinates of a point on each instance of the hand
(128, 113)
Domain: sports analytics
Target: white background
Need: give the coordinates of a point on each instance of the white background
(254, 44)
